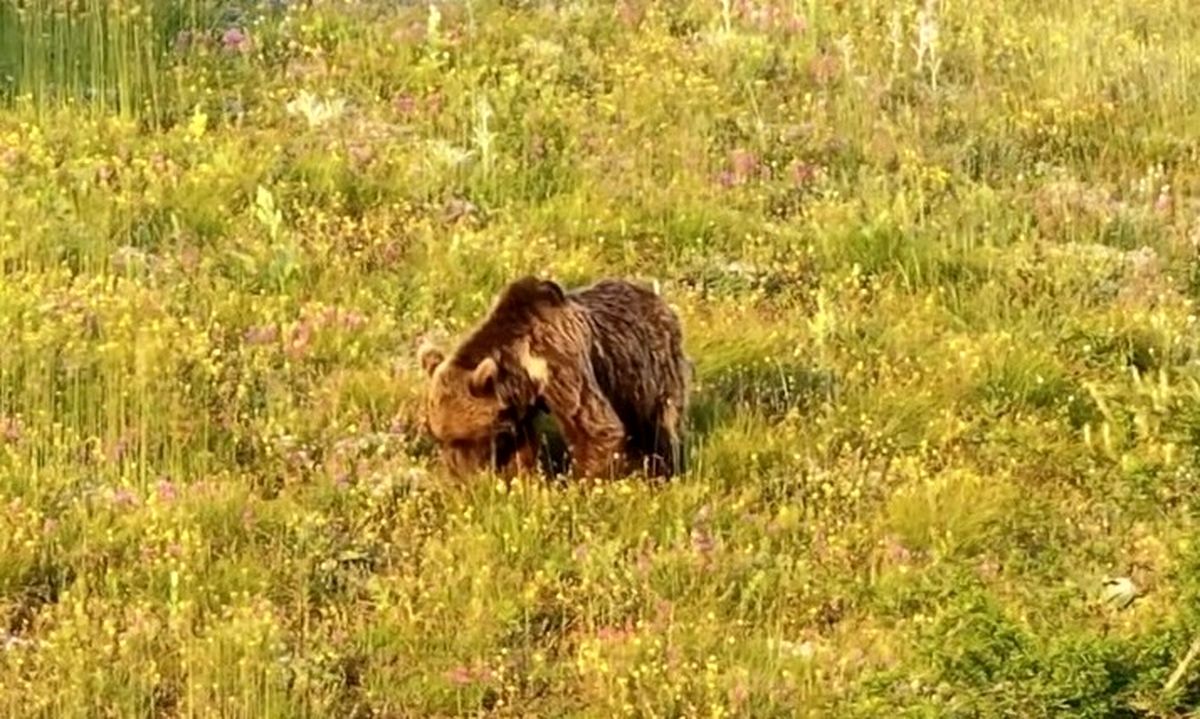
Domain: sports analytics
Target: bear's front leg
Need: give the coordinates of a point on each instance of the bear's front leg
(593, 431)
(597, 452)
(525, 455)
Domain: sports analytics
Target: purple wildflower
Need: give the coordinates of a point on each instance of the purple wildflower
(167, 491)
(235, 40)
(353, 321)
(261, 335)
(1164, 203)
(803, 173)
(459, 676)
(744, 164)
(404, 104)
(122, 497)
(117, 453)
(360, 153)
(410, 34)
(896, 551)
(10, 429)
(631, 13)
(301, 338)
(702, 541)
(183, 41)
(9, 157)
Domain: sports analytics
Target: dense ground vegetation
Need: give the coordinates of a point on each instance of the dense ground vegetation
(937, 265)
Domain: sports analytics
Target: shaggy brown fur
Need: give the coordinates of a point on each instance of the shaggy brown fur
(606, 361)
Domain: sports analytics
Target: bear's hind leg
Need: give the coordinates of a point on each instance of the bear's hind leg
(664, 455)
(671, 419)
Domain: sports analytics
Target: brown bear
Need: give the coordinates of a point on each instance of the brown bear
(605, 361)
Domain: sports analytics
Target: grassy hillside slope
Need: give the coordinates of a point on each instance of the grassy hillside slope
(937, 265)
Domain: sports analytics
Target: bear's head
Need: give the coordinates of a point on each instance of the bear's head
(481, 396)
(475, 412)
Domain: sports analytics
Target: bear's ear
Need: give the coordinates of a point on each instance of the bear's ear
(430, 357)
(553, 289)
(483, 378)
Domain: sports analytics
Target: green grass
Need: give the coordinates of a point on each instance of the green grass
(940, 294)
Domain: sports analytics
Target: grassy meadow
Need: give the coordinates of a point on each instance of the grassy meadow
(937, 264)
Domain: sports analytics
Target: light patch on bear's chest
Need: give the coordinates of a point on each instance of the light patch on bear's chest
(537, 369)
(534, 366)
